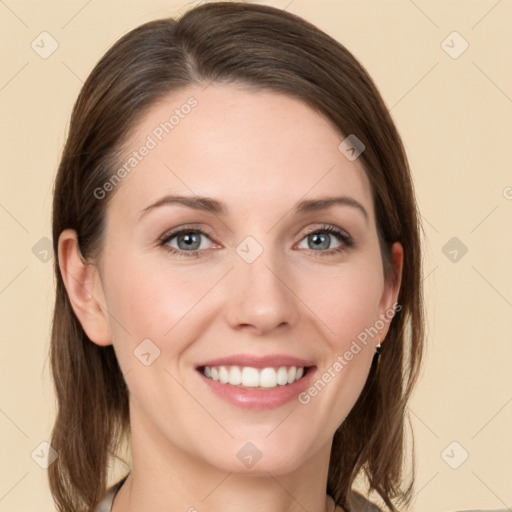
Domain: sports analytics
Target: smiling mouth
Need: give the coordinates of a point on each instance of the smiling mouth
(254, 378)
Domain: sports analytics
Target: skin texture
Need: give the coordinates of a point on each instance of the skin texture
(259, 153)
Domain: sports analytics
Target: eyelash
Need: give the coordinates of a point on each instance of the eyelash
(346, 240)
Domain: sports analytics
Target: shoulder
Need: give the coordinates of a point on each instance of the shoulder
(105, 505)
(361, 504)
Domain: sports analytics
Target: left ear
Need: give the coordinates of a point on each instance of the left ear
(391, 288)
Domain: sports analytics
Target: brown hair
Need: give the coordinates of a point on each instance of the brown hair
(264, 48)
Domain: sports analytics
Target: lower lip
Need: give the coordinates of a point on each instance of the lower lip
(259, 398)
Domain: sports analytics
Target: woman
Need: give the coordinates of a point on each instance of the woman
(238, 274)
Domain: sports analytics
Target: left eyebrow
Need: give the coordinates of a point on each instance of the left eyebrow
(313, 205)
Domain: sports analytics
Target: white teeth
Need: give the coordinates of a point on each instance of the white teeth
(250, 377)
(223, 375)
(282, 376)
(292, 372)
(268, 378)
(235, 376)
(253, 377)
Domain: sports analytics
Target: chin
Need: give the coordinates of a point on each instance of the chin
(258, 458)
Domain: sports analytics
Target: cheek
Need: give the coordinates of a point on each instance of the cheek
(345, 299)
(148, 301)
(346, 302)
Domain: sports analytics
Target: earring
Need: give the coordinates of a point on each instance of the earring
(376, 357)
(379, 346)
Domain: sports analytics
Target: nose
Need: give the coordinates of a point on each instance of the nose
(260, 295)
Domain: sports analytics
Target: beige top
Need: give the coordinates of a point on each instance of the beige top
(106, 503)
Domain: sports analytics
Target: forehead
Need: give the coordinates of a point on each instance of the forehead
(254, 150)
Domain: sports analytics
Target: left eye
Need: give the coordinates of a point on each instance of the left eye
(319, 240)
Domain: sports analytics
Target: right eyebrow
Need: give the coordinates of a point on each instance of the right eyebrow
(206, 204)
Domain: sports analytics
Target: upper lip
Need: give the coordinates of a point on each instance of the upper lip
(254, 361)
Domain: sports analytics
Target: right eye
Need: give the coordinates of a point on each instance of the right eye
(185, 242)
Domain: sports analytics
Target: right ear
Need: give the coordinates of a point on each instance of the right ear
(84, 289)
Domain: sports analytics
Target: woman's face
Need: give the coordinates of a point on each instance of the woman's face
(225, 248)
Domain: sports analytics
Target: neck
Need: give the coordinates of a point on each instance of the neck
(166, 477)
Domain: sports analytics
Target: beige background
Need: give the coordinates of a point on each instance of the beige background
(455, 117)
